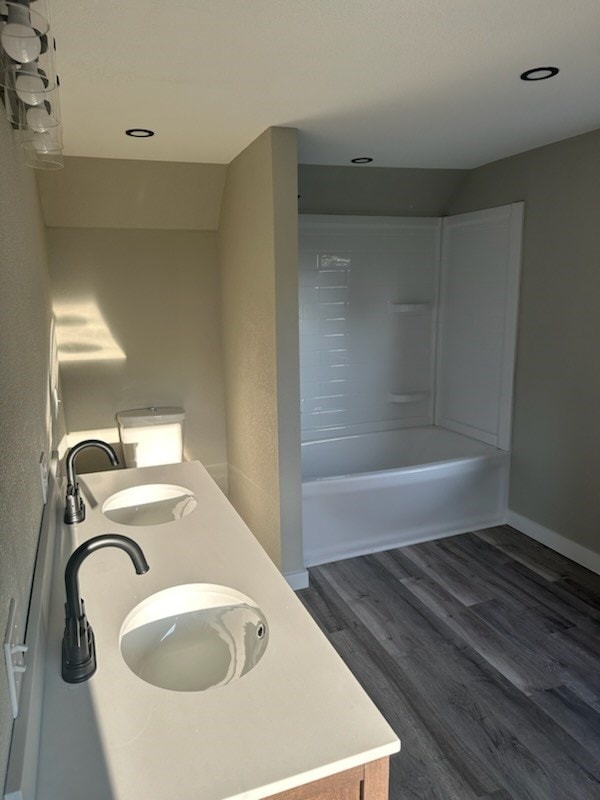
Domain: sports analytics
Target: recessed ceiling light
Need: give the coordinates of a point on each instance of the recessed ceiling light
(539, 73)
(362, 160)
(139, 133)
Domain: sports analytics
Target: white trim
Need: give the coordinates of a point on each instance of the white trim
(435, 321)
(298, 579)
(556, 541)
(401, 539)
(513, 214)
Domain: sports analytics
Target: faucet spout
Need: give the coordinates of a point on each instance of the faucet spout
(78, 645)
(74, 505)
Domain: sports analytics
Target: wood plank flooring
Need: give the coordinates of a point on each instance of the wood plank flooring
(483, 653)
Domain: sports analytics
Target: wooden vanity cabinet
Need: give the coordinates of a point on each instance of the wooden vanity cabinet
(367, 782)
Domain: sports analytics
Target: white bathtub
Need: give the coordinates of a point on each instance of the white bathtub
(371, 492)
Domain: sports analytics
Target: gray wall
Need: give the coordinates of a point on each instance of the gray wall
(158, 292)
(24, 355)
(376, 190)
(556, 434)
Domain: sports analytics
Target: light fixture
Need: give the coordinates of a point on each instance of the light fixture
(139, 133)
(22, 32)
(362, 160)
(28, 81)
(539, 73)
(31, 85)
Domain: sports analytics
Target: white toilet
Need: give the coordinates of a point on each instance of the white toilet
(151, 436)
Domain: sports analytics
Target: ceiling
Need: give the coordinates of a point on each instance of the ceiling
(411, 83)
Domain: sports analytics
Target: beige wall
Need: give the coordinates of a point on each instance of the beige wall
(119, 193)
(256, 265)
(158, 293)
(556, 457)
(24, 351)
(376, 190)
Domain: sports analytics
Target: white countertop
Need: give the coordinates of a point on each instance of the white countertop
(297, 716)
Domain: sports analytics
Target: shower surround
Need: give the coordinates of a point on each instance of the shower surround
(407, 346)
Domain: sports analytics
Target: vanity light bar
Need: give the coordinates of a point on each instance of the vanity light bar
(28, 82)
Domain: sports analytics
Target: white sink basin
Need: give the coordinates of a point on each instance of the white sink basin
(194, 637)
(149, 504)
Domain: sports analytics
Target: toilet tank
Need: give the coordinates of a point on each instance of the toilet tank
(151, 436)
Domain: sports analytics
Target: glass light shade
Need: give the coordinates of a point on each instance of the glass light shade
(43, 141)
(41, 118)
(30, 88)
(41, 145)
(21, 42)
(33, 86)
(21, 35)
(52, 159)
(29, 82)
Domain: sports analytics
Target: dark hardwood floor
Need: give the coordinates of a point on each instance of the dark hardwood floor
(483, 653)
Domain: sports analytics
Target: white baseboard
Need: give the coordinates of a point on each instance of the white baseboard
(556, 541)
(297, 580)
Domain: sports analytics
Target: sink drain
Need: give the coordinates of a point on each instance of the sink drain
(260, 630)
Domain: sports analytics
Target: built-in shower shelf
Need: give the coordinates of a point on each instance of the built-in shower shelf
(408, 397)
(410, 308)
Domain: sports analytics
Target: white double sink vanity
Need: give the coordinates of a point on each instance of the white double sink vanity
(212, 681)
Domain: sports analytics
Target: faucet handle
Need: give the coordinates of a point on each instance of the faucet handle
(74, 506)
(78, 649)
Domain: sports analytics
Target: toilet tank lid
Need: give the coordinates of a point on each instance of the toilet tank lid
(150, 416)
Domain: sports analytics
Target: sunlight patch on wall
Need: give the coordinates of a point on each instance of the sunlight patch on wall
(83, 334)
(105, 434)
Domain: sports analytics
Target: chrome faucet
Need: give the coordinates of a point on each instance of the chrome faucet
(74, 506)
(78, 644)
